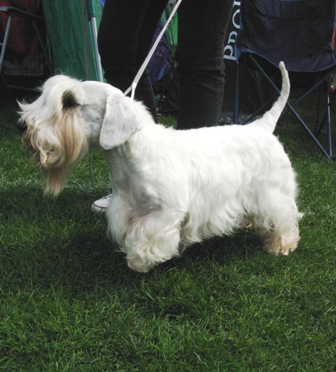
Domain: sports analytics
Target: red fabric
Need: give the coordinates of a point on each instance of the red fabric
(29, 5)
(22, 38)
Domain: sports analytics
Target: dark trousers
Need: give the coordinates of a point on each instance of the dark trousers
(125, 34)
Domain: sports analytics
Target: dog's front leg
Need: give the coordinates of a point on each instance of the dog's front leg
(152, 239)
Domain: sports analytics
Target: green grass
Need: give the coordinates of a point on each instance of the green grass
(68, 301)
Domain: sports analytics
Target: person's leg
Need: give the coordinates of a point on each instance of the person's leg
(202, 30)
(125, 34)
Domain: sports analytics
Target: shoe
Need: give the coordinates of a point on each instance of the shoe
(100, 205)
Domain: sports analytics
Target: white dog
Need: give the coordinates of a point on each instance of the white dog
(171, 188)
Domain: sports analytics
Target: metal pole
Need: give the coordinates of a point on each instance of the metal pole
(92, 19)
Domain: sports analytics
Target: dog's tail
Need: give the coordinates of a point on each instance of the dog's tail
(269, 119)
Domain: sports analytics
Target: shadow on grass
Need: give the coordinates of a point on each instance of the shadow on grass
(48, 242)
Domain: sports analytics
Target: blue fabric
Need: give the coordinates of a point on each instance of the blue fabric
(298, 32)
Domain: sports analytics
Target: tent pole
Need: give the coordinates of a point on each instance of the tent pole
(92, 19)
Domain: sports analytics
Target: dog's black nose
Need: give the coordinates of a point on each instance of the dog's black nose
(21, 126)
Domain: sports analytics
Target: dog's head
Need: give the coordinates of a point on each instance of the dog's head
(51, 130)
(58, 126)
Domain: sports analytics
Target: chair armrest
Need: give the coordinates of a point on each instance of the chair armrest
(20, 13)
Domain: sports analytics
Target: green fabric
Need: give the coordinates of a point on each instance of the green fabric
(69, 31)
(172, 30)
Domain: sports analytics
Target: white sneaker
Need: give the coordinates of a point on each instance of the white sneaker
(100, 205)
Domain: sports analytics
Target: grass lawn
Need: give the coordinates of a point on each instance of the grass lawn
(68, 301)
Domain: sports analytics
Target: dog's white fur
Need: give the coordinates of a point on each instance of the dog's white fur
(171, 188)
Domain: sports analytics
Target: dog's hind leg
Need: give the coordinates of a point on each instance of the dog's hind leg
(152, 239)
(282, 242)
(281, 231)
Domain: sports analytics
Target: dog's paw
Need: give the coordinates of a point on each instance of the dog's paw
(277, 246)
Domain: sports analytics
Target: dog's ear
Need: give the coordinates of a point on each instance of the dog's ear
(69, 100)
(120, 121)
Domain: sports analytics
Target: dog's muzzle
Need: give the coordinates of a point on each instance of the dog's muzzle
(22, 127)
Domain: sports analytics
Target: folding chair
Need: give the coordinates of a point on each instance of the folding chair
(37, 23)
(300, 33)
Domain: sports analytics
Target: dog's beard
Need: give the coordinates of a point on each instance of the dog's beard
(53, 165)
(55, 180)
(57, 150)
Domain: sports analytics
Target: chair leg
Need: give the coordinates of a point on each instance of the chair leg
(237, 95)
(292, 109)
(239, 87)
(5, 42)
(43, 47)
(330, 140)
(301, 121)
(326, 119)
(318, 122)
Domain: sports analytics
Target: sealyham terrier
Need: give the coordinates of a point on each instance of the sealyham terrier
(171, 188)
